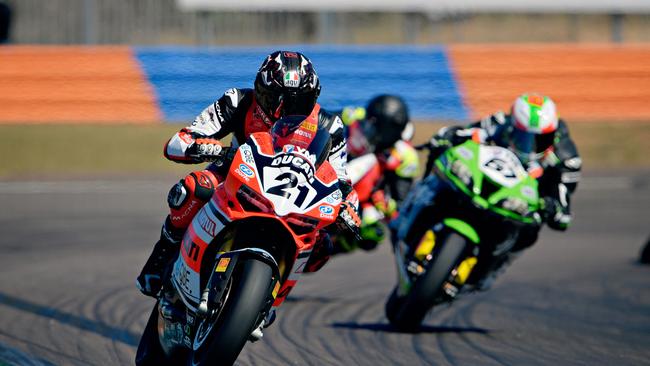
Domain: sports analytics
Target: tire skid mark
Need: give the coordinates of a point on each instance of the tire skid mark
(307, 328)
(326, 340)
(116, 301)
(54, 330)
(420, 347)
(32, 346)
(465, 318)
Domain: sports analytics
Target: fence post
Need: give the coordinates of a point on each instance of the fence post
(617, 27)
(90, 21)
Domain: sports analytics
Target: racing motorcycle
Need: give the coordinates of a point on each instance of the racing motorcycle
(376, 205)
(243, 252)
(474, 206)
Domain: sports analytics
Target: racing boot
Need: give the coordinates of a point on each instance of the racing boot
(152, 276)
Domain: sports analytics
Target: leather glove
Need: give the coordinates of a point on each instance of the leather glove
(206, 149)
(387, 206)
(440, 141)
(349, 218)
(555, 215)
(349, 214)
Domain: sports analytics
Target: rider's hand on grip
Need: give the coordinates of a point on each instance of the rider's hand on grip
(555, 215)
(206, 149)
(349, 218)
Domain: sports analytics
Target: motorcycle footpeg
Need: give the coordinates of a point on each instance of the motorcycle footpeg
(415, 268)
(269, 319)
(450, 290)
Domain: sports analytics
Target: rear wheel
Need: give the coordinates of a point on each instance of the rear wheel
(221, 341)
(406, 314)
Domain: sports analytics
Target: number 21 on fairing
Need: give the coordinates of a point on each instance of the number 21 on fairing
(284, 185)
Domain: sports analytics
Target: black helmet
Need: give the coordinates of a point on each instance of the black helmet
(386, 118)
(286, 84)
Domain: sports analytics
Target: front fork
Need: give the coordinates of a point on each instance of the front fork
(412, 262)
(212, 296)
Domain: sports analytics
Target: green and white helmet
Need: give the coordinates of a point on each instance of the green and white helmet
(535, 121)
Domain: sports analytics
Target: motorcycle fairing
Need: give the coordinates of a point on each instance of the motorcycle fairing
(319, 208)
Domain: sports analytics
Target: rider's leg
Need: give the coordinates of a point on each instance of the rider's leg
(185, 199)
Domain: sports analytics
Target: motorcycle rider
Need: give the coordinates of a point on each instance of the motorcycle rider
(285, 84)
(382, 128)
(541, 140)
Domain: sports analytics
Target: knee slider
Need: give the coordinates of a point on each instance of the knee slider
(204, 183)
(177, 195)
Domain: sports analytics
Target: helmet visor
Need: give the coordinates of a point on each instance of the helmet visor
(530, 146)
(298, 103)
(268, 98)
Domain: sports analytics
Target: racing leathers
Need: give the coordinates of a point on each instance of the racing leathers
(236, 113)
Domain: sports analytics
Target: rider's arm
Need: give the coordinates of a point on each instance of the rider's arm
(562, 180)
(338, 152)
(215, 122)
(402, 167)
(479, 131)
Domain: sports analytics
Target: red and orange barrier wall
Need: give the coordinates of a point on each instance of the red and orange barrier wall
(45, 84)
(63, 84)
(588, 82)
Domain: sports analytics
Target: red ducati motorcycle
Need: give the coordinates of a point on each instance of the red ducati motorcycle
(244, 251)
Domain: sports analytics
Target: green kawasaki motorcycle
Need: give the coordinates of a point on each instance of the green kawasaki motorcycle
(456, 225)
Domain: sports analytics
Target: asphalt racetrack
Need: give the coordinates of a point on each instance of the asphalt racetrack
(69, 253)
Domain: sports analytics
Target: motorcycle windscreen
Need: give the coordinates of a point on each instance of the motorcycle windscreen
(285, 133)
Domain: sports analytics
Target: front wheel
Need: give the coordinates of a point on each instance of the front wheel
(149, 350)
(221, 341)
(406, 313)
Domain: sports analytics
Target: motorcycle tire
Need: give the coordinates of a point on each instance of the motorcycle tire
(241, 313)
(420, 299)
(392, 306)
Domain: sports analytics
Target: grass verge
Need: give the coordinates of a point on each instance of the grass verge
(69, 151)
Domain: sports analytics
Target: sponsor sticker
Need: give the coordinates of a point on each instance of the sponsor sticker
(301, 132)
(247, 154)
(465, 153)
(326, 211)
(276, 289)
(222, 265)
(332, 201)
(246, 170)
(207, 224)
(529, 192)
(313, 127)
(291, 79)
(296, 163)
